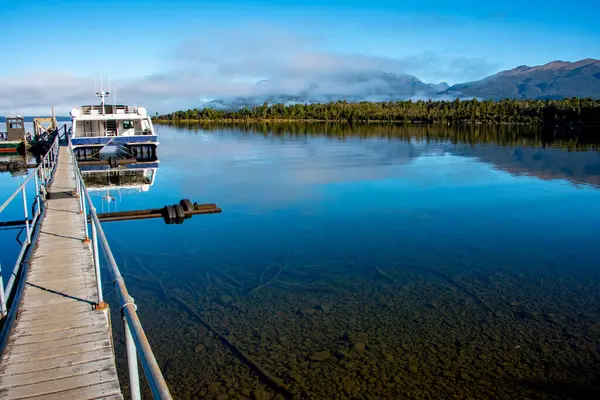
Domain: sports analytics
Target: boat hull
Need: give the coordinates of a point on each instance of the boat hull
(124, 140)
(11, 146)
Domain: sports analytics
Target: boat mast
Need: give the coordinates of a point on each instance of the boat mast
(102, 94)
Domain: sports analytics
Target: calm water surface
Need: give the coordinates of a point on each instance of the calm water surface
(365, 266)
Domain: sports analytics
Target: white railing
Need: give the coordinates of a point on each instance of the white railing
(146, 132)
(108, 109)
(42, 175)
(136, 342)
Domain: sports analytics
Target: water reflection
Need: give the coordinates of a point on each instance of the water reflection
(111, 184)
(368, 262)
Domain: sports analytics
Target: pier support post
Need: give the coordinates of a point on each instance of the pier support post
(132, 363)
(2, 296)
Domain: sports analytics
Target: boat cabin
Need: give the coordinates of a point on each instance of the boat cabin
(15, 128)
(118, 120)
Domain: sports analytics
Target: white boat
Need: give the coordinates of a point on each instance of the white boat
(97, 128)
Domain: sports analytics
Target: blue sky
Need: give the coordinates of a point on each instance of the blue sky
(179, 53)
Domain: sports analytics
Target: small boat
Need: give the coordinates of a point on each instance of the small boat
(13, 140)
(106, 131)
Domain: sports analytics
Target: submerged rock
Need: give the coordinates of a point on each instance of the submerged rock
(307, 311)
(199, 348)
(320, 355)
(325, 308)
(260, 394)
(342, 354)
(359, 347)
(525, 315)
(362, 337)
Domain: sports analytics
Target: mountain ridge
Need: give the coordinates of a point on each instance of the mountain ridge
(554, 80)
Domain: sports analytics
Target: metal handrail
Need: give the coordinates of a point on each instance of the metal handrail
(101, 134)
(136, 342)
(42, 174)
(108, 109)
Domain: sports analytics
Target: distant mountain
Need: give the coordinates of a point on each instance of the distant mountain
(439, 87)
(376, 86)
(555, 80)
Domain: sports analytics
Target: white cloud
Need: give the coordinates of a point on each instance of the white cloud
(222, 65)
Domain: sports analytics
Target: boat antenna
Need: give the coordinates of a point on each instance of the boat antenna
(102, 94)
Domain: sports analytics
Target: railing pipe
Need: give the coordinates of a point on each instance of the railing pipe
(15, 272)
(15, 193)
(154, 376)
(132, 363)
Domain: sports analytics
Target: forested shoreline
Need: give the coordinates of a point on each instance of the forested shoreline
(573, 111)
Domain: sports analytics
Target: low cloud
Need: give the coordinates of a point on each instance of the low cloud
(229, 65)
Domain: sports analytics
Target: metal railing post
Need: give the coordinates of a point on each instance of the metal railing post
(97, 263)
(80, 192)
(2, 296)
(27, 227)
(44, 172)
(84, 212)
(48, 168)
(132, 363)
(37, 194)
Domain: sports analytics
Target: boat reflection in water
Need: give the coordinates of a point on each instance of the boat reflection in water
(111, 183)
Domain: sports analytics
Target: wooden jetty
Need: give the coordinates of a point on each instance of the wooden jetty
(60, 346)
(56, 340)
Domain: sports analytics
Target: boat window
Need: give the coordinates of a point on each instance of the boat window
(15, 125)
(127, 124)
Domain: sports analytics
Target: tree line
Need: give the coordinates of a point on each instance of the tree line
(574, 111)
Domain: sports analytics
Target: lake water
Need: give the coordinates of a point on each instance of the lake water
(367, 262)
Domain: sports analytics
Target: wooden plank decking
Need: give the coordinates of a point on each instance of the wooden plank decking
(60, 346)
